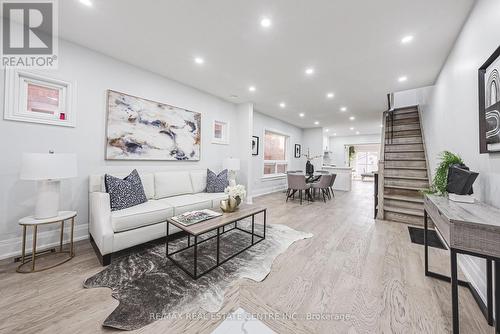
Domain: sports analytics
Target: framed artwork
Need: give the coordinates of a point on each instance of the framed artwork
(298, 151)
(255, 145)
(220, 133)
(489, 104)
(141, 129)
(35, 98)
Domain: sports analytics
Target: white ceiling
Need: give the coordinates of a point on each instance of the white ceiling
(354, 46)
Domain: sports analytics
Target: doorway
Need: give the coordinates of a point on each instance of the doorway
(363, 159)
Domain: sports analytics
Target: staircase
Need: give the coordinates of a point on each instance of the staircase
(402, 167)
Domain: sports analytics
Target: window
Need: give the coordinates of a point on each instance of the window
(275, 153)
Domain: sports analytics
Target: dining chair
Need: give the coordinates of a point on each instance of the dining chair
(334, 176)
(323, 185)
(297, 182)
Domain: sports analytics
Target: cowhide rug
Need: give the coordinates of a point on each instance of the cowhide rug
(146, 283)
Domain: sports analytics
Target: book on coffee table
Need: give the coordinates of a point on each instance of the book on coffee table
(193, 217)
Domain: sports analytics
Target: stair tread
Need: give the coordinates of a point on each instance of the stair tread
(411, 212)
(404, 151)
(407, 168)
(404, 159)
(405, 198)
(406, 177)
(403, 187)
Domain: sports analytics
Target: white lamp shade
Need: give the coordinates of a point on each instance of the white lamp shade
(46, 166)
(231, 164)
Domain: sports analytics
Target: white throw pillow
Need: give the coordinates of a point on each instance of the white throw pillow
(168, 184)
(199, 181)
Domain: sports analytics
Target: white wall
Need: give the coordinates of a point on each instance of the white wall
(450, 116)
(261, 123)
(93, 73)
(337, 145)
(411, 97)
(313, 141)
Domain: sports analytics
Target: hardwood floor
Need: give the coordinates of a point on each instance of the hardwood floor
(358, 274)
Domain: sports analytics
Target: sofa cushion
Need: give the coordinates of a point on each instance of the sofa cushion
(169, 184)
(199, 180)
(217, 183)
(125, 193)
(214, 197)
(148, 213)
(185, 203)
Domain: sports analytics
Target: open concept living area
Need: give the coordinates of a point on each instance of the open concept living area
(230, 166)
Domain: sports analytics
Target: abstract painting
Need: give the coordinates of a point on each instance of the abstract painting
(489, 104)
(140, 129)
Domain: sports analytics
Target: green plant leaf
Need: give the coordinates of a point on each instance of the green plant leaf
(441, 176)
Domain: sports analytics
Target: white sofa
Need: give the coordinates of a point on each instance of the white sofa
(168, 193)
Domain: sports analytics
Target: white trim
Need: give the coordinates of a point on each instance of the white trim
(270, 177)
(15, 98)
(11, 248)
(270, 190)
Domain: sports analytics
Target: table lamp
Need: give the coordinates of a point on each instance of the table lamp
(48, 169)
(232, 165)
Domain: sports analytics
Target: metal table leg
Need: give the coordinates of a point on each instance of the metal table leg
(33, 252)
(497, 296)
(454, 291)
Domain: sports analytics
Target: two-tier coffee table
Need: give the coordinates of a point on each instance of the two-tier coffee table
(219, 225)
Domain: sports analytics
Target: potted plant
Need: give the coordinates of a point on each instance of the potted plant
(440, 181)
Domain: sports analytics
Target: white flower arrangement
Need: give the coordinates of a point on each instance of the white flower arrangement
(236, 191)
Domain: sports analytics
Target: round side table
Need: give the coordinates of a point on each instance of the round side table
(34, 223)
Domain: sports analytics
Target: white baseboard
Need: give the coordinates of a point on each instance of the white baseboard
(11, 248)
(269, 190)
(474, 273)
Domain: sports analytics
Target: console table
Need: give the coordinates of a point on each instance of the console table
(470, 229)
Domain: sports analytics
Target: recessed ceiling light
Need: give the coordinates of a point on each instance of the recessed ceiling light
(266, 22)
(351, 128)
(282, 105)
(301, 114)
(343, 109)
(309, 71)
(330, 95)
(199, 60)
(327, 130)
(352, 118)
(357, 132)
(316, 123)
(381, 125)
(252, 88)
(407, 39)
(87, 3)
(403, 78)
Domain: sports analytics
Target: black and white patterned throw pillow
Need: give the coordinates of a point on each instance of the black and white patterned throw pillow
(125, 193)
(217, 183)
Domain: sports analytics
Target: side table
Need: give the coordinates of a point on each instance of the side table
(34, 223)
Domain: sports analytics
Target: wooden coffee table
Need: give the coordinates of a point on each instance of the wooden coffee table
(219, 224)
